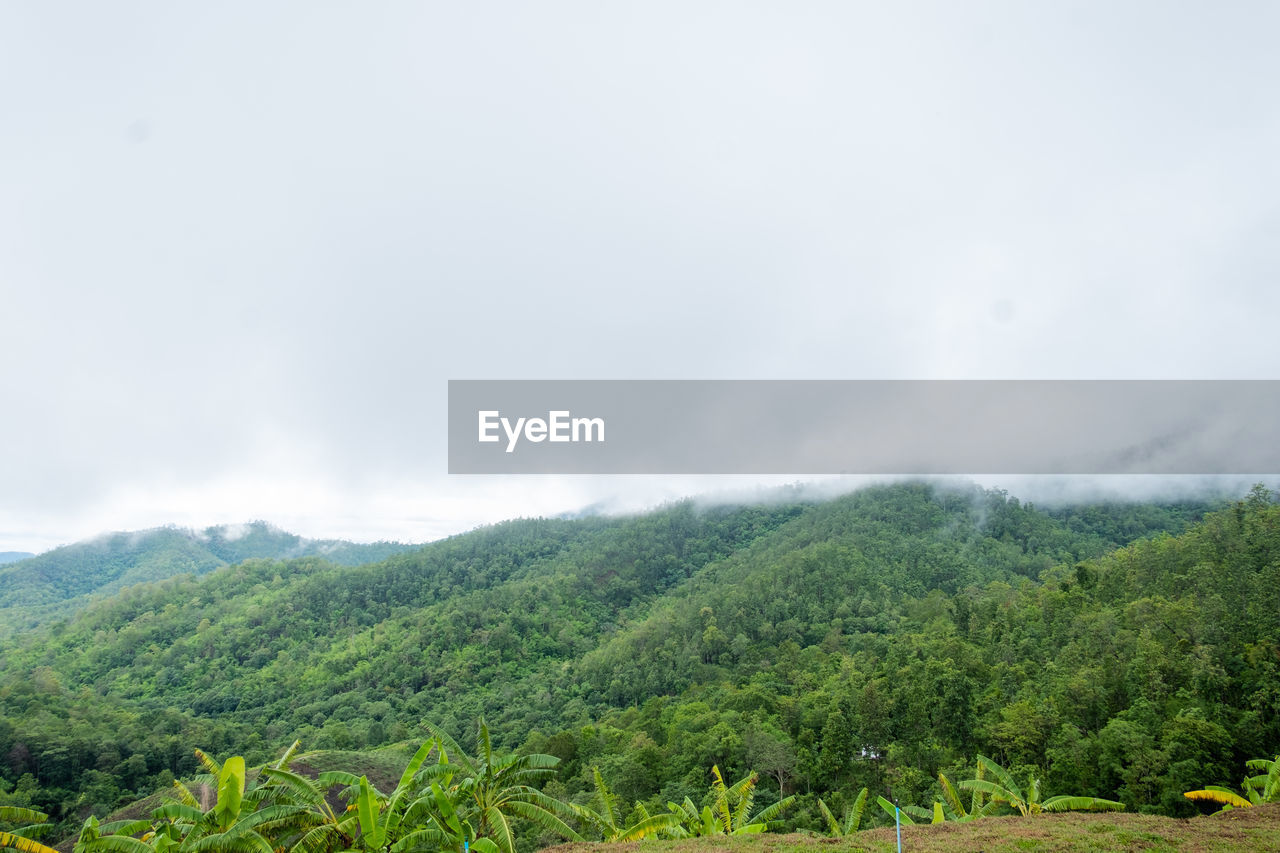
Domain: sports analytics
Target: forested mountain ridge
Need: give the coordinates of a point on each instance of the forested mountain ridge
(14, 556)
(64, 580)
(923, 624)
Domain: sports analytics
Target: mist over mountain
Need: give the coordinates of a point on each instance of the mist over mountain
(1122, 650)
(35, 588)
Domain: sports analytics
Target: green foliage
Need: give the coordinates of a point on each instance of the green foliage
(731, 811)
(877, 640)
(435, 805)
(894, 812)
(496, 789)
(19, 837)
(1261, 788)
(56, 583)
(1002, 789)
(852, 820)
(606, 820)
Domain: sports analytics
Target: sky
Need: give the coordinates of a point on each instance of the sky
(244, 246)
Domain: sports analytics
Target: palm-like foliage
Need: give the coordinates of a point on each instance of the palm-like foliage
(435, 806)
(116, 837)
(1005, 790)
(19, 837)
(852, 820)
(730, 813)
(445, 805)
(1264, 787)
(1256, 790)
(496, 788)
(1228, 798)
(230, 825)
(445, 830)
(414, 816)
(303, 821)
(604, 817)
(950, 807)
(955, 806)
(906, 815)
(409, 818)
(231, 815)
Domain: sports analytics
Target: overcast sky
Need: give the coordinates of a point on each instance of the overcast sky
(244, 246)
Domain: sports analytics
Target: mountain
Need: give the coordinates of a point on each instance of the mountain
(14, 556)
(66, 579)
(1125, 651)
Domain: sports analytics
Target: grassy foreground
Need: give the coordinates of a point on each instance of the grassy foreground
(1242, 829)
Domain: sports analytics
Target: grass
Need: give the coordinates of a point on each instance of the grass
(1256, 829)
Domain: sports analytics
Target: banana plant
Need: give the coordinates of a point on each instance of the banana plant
(852, 820)
(733, 805)
(906, 815)
(956, 807)
(730, 813)
(403, 820)
(225, 818)
(604, 817)
(380, 822)
(19, 838)
(444, 830)
(115, 837)
(950, 807)
(229, 825)
(690, 822)
(1256, 790)
(1005, 790)
(1265, 787)
(496, 789)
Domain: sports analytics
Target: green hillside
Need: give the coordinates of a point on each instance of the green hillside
(66, 579)
(1117, 651)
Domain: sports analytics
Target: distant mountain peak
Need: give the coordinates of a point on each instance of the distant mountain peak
(35, 588)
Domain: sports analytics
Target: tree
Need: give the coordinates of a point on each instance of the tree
(836, 750)
(771, 750)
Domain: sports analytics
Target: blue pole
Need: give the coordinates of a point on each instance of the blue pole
(897, 822)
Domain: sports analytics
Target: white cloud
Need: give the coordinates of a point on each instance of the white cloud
(244, 248)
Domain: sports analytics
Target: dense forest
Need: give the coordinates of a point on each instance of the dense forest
(1121, 651)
